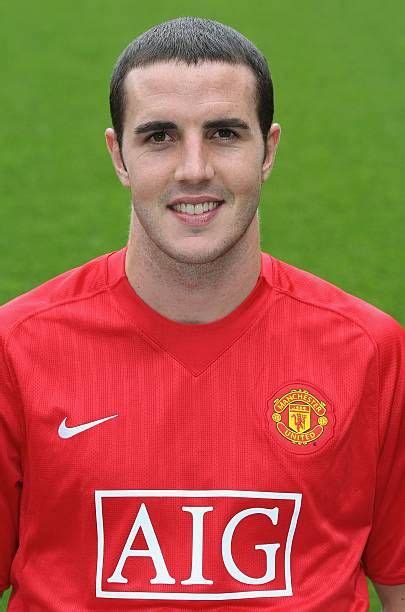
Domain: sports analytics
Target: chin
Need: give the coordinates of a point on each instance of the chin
(194, 258)
(197, 257)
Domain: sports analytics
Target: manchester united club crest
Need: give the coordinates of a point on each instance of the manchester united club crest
(301, 416)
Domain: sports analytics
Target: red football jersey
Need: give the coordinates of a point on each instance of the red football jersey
(250, 463)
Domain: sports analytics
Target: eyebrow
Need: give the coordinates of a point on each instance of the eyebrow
(159, 126)
(154, 126)
(226, 123)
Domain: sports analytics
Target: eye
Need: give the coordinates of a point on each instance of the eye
(158, 137)
(225, 134)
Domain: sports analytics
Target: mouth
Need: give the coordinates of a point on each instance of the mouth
(196, 213)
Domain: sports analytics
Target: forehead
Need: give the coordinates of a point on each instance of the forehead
(208, 87)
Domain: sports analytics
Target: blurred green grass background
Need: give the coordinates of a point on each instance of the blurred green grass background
(334, 203)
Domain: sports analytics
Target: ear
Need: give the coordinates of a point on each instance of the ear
(114, 149)
(273, 138)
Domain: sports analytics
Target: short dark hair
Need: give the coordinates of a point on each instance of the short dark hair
(192, 40)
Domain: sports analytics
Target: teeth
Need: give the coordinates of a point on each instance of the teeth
(195, 209)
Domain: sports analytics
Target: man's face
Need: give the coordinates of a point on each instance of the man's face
(193, 157)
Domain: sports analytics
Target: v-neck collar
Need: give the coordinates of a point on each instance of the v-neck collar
(194, 346)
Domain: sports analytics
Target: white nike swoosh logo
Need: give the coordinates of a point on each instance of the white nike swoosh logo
(68, 432)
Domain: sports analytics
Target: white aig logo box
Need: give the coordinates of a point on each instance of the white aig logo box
(194, 545)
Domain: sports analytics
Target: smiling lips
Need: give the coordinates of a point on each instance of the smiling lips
(195, 210)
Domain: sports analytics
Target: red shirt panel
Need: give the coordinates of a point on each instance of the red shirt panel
(249, 463)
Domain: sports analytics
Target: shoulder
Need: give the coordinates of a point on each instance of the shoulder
(70, 287)
(333, 304)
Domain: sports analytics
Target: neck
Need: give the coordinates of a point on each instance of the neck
(193, 293)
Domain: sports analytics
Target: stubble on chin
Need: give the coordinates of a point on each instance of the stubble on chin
(150, 245)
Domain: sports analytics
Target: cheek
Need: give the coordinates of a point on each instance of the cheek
(148, 179)
(242, 172)
(247, 181)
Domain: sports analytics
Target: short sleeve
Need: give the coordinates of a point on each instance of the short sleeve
(384, 556)
(10, 472)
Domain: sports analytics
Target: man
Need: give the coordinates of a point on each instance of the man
(189, 423)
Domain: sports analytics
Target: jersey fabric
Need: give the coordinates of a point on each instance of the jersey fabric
(256, 462)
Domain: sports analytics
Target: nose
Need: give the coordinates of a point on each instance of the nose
(194, 165)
